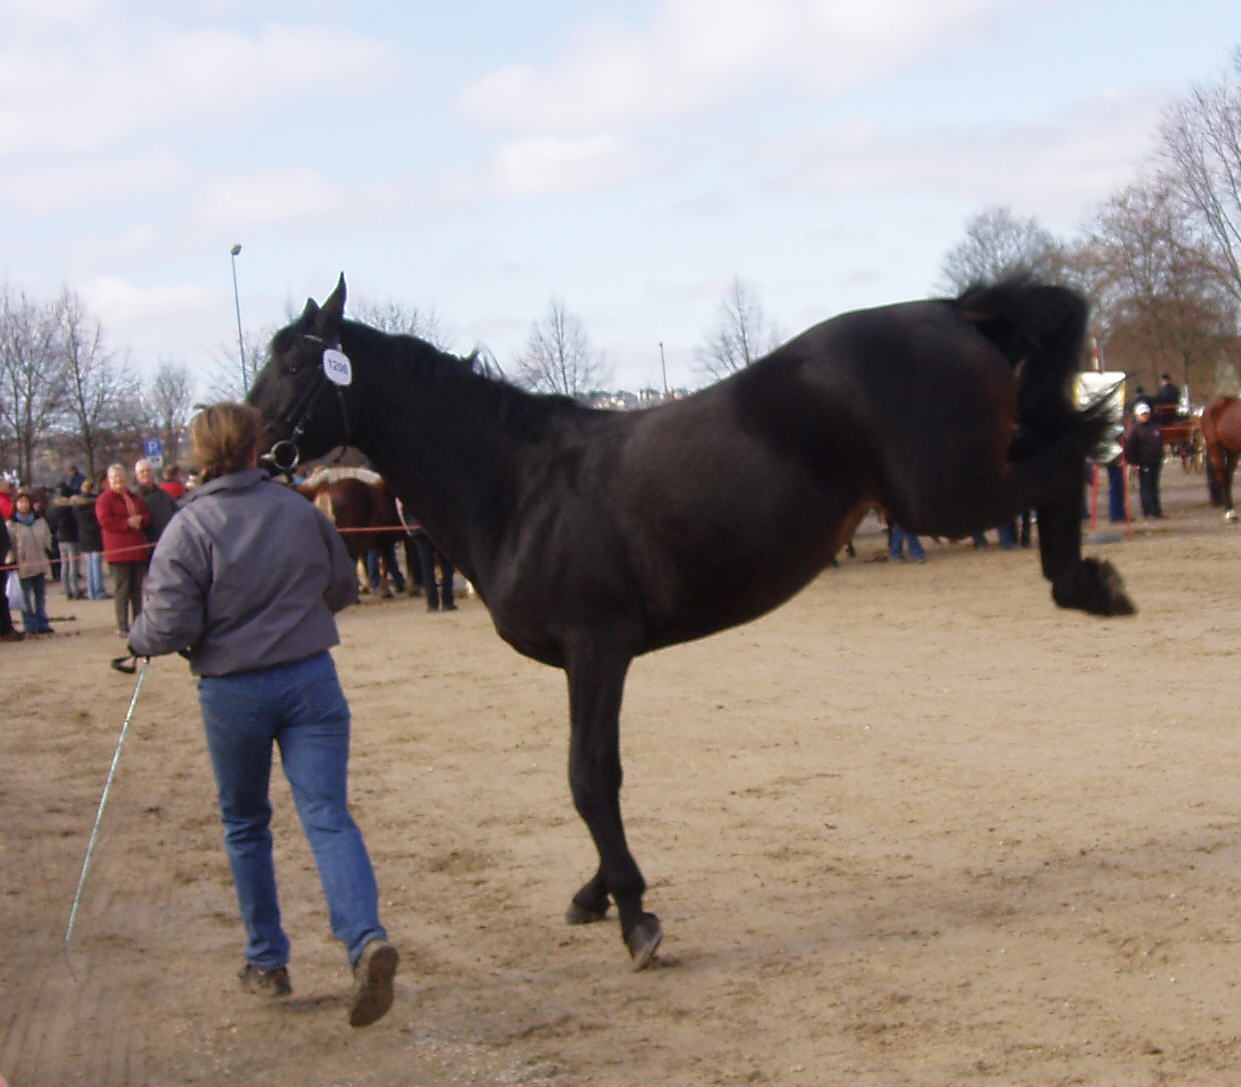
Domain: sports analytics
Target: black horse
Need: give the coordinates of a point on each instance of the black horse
(595, 536)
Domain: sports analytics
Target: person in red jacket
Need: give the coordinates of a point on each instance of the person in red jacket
(172, 480)
(123, 521)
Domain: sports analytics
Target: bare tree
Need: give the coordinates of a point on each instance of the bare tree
(32, 387)
(1161, 300)
(742, 336)
(226, 380)
(101, 396)
(398, 319)
(998, 244)
(1201, 138)
(169, 400)
(559, 357)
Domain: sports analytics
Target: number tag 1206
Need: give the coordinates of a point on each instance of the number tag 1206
(337, 367)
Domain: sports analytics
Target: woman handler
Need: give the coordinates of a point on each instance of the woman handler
(246, 578)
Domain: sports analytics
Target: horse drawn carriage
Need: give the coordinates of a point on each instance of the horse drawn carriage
(1182, 436)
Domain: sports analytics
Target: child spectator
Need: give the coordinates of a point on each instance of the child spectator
(31, 543)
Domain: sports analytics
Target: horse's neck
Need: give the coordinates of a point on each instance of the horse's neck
(447, 470)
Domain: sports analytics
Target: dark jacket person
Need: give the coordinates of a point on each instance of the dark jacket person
(246, 578)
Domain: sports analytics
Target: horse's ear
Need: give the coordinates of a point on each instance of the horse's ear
(306, 320)
(333, 312)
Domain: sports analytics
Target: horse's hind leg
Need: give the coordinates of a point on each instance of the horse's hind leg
(596, 683)
(591, 902)
(1230, 466)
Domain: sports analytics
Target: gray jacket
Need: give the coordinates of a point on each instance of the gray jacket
(247, 575)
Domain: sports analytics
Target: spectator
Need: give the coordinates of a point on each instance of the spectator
(158, 501)
(90, 540)
(172, 480)
(1144, 450)
(124, 521)
(422, 557)
(380, 559)
(63, 522)
(31, 543)
(6, 499)
(901, 539)
(7, 633)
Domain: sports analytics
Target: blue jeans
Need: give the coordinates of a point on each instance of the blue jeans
(387, 552)
(70, 575)
(34, 606)
(95, 588)
(300, 707)
(1115, 492)
(899, 537)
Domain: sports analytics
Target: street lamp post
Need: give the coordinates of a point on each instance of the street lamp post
(241, 347)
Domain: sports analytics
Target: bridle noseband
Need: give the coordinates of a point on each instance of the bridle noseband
(284, 455)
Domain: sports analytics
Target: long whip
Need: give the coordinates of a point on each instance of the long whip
(103, 800)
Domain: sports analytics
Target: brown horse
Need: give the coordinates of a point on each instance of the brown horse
(360, 505)
(1221, 430)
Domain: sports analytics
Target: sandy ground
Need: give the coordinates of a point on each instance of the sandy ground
(915, 827)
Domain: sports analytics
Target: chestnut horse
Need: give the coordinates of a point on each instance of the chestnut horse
(595, 536)
(1221, 430)
(361, 506)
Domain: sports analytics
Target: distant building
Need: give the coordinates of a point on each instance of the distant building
(623, 400)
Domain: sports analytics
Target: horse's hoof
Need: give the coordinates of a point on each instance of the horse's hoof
(1230, 516)
(643, 941)
(577, 914)
(1092, 585)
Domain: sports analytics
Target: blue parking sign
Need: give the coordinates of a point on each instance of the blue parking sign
(153, 450)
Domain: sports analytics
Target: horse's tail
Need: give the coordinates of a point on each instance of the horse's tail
(1041, 330)
(323, 502)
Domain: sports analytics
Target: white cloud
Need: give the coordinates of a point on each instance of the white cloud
(121, 302)
(700, 54)
(1052, 167)
(75, 91)
(546, 164)
(275, 196)
(91, 182)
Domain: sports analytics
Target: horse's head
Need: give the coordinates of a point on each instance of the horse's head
(301, 390)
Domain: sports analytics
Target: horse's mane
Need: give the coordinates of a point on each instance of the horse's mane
(523, 414)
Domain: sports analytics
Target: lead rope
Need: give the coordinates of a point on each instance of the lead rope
(103, 800)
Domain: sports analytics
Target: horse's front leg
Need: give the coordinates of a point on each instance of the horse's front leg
(596, 684)
(1093, 585)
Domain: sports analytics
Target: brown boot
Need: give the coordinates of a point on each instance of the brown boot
(372, 983)
(270, 983)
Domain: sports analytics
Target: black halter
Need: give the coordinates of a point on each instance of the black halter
(285, 455)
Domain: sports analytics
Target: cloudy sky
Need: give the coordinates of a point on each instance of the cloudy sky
(478, 158)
